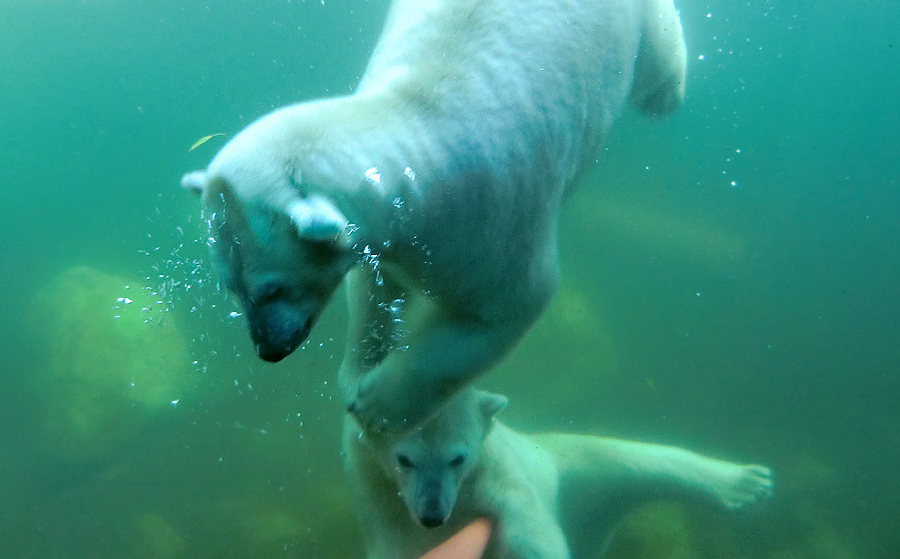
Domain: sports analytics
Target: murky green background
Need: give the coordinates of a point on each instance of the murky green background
(731, 284)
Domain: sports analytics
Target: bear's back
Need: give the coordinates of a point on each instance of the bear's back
(549, 73)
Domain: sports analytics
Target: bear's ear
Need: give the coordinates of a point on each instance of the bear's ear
(317, 219)
(491, 404)
(195, 181)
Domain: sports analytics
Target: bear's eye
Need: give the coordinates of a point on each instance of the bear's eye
(403, 461)
(267, 293)
(458, 461)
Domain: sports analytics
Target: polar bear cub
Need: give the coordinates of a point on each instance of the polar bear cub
(439, 178)
(549, 496)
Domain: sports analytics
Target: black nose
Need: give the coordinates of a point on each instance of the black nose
(272, 354)
(431, 521)
(432, 511)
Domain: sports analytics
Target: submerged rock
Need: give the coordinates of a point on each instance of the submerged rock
(157, 539)
(661, 530)
(110, 356)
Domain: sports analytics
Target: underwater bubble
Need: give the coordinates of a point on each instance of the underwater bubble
(373, 175)
(396, 306)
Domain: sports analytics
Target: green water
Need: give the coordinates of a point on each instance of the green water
(730, 284)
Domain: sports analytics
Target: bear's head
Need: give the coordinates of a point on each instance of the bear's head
(431, 463)
(282, 252)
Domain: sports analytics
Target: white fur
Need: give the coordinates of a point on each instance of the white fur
(550, 496)
(441, 176)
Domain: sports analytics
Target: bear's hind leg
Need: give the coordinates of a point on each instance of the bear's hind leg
(661, 65)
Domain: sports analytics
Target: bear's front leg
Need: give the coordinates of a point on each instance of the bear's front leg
(527, 530)
(375, 320)
(442, 356)
(457, 338)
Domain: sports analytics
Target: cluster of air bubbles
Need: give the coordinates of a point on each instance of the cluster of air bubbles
(395, 308)
(423, 249)
(175, 278)
(351, 229)
(122, 304)
(730, 159)
(179, 280)
(373, 260)
(209, 222)
(394, 311)
(152, 314)
(395, 314)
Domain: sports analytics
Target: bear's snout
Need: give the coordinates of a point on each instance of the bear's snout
(432, 513)
(277, 334)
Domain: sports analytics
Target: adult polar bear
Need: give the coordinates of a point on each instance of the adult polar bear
(443, 175)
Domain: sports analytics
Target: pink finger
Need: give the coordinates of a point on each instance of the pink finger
(468, 543)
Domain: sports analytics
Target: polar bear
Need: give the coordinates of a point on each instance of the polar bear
(550, 496)
(440, 178)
